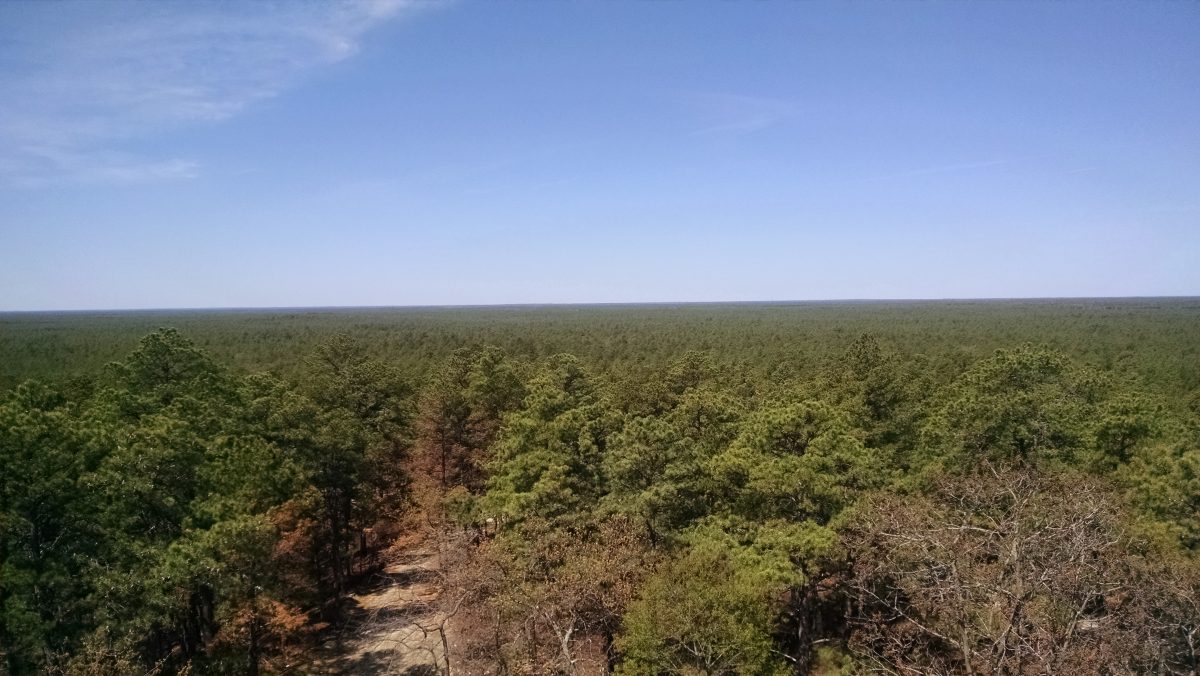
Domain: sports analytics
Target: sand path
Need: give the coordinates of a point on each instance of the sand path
(394, 626)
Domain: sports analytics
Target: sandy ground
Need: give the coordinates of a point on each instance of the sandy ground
(394, 626)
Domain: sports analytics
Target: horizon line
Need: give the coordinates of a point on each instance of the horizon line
(451, 306)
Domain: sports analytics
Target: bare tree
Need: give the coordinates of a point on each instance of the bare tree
(550, 602)
(1009, 571)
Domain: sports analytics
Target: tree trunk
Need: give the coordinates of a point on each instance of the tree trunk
(445, 646)
(254, 638)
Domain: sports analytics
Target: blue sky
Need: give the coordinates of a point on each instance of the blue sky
(390, 153)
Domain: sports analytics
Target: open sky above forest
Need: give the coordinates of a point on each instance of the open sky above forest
(192, 154)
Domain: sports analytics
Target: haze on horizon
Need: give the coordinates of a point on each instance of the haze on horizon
(391, 153)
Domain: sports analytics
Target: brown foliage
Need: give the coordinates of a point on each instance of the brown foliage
(270, 634)
(552, 600)
(1008, 571)
(295, 551)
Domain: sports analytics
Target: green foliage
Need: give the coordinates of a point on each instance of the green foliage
(655, 473)
(797, 461)
(881, 391)
(705, 612)
(1123, 422)
(1036, 405)
(1026, 404)
(656, 467)
(1154, 338)
(548, 456)
(43, 527)
(679, 488)
(460, 411)
(462, 508)
(137, 521)
(1164, 482)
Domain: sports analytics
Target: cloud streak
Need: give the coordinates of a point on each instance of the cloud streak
(83, 82)
(736, 114)
(930, 171)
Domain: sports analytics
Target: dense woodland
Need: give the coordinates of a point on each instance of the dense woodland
(934, 488)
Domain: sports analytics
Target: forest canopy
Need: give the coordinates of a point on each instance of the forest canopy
(927, 488)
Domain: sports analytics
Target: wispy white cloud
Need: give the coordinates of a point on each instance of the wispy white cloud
(960, 167)
(82, 82)
(737, 114)
(940, 169)
(36, 167)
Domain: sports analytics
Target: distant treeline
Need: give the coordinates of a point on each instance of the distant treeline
(1154, 337)
(939, 488)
